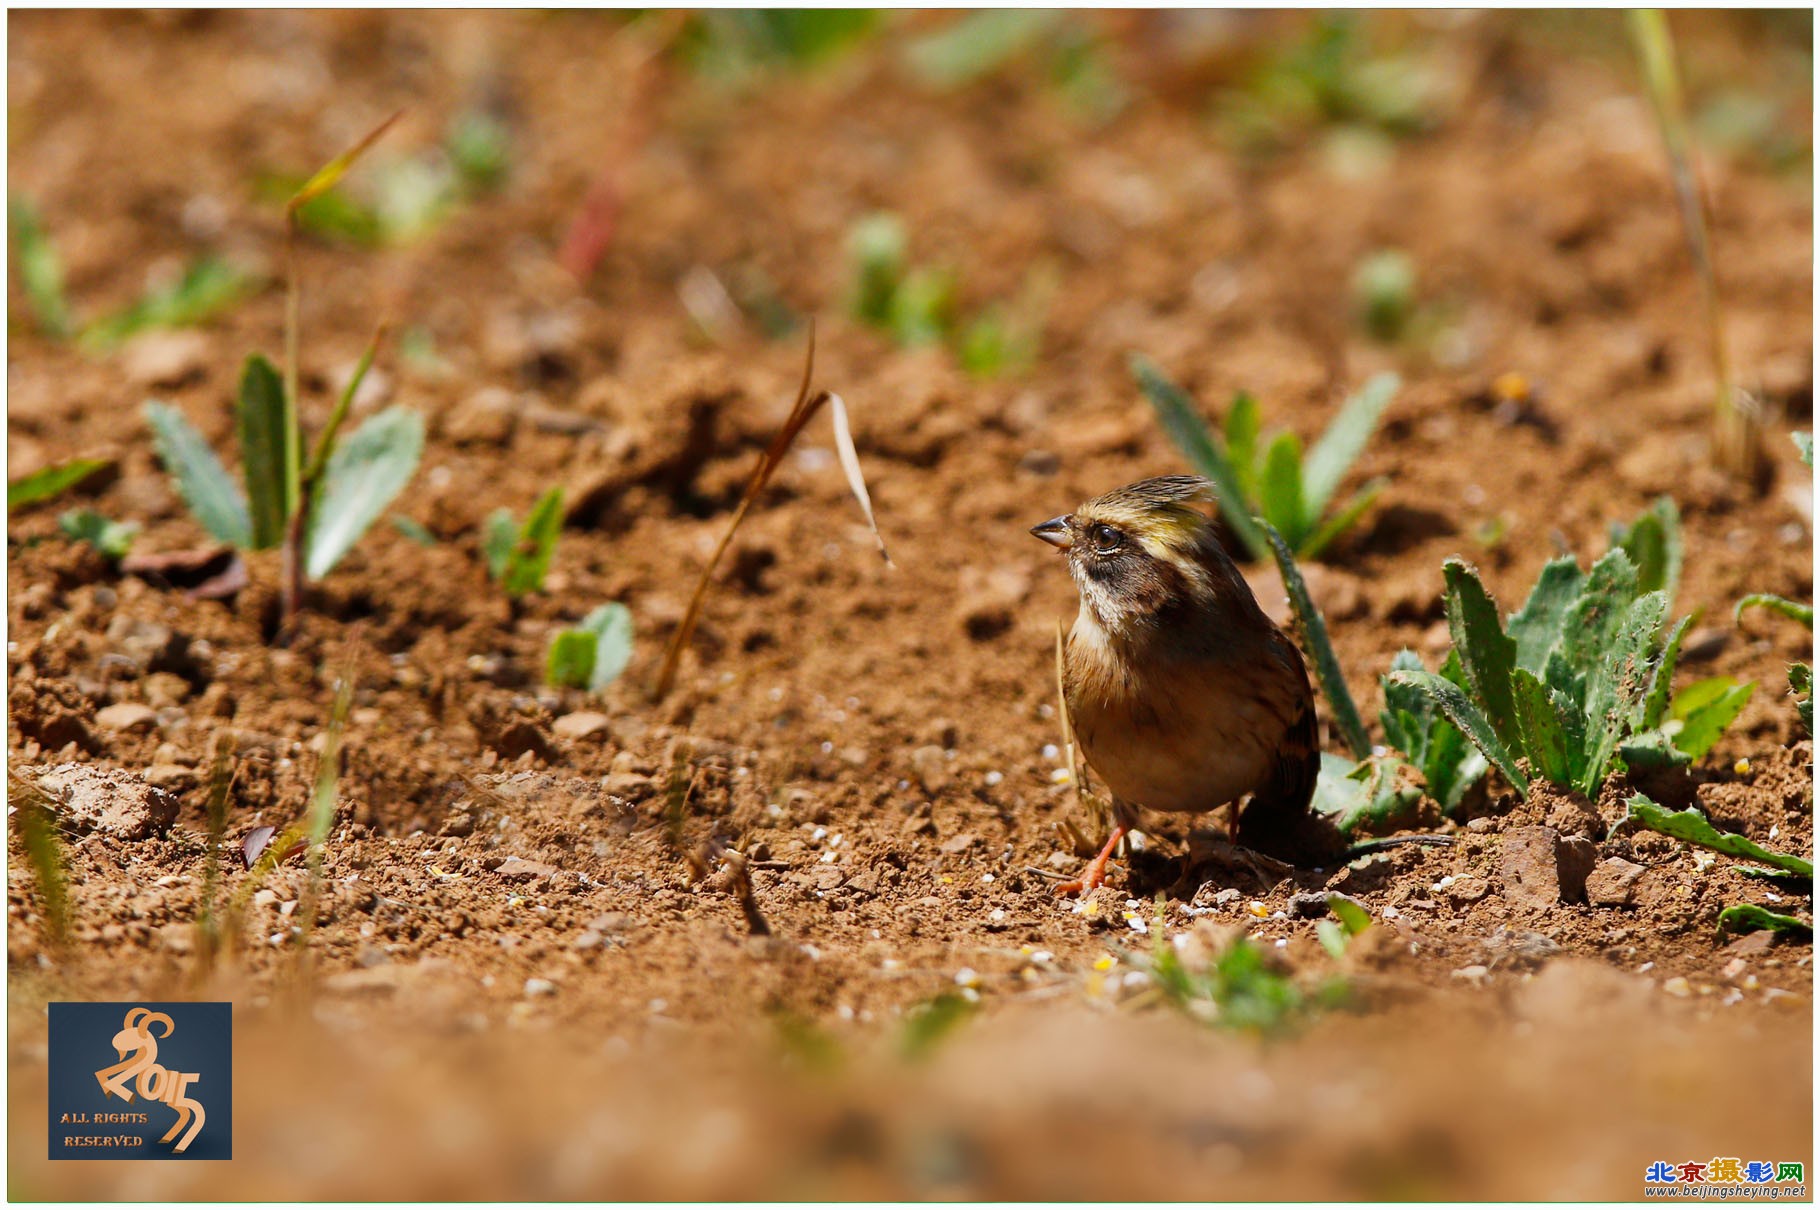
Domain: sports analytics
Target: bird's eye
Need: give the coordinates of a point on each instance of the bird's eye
(1106, 539)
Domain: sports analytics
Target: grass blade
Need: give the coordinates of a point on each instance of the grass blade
(849, 464)
(1695, 828)
(1280, 490)
(40, 270)
(201, 479)
(207, 288)
(50, 482)
(330, 174)
(1320, 648)
(528, 558)
(263, 451)
(1461, 712)
(325, 442)
(1345, 519)
(1175, 411)
(363, 476)
(1340, 446)
(36, 820)
(1243, 423)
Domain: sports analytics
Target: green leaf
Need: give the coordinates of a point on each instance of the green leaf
(1804, 442)
(1536, 627)
(1803, 614)
(1280, 489)
(1242, 425)
(1695, 828)
(208, 287)
(1414, 725)
(1345, 439)
(363, 476)
(1320, 648)
(1749, 918)
(497, 539)
(413, 529)
(325, 441)
(1615, 692)
(1801, 687)
(1487, 655)
(1543, 734)
(1706, 708)
(112, 538)
(1655, 702)
(976, 45)
(1368, 796)
(1593, 621)
(201, 479)
(1332, 938)
(878, 247)
(528, 560)
(40, 269)
(1352, 917)
(1653, 542)
(1466, 716)
(1176, 412)
(571, 659)
(265, 450)
(1343, 520)
(50, 482)
(612, 625)
(926, 1024)
(592, 655)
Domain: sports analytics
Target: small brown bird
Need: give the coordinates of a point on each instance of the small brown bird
(1182, 694)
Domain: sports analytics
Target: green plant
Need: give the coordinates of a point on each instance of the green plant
(927, 1024)
(592, 655)
(1415, 726)
(1653, 542)
(732, 47)
(1694, 828)
(1800, 675)
(35, 825)
(1237, 989)
(40, 269)
(1749, 918)
(314, 509)
(1349, 921)
(1384, 293)
(114, 539)
(519, 557)
(49, 483)
(1273, 478)
(1579, 683)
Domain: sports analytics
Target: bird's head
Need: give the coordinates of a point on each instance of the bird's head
(1140, 551)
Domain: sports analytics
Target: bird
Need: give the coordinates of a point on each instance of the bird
(1182, 694)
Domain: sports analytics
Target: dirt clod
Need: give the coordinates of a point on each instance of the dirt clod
(112, 801)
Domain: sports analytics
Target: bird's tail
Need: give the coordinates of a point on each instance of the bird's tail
(1279, 820)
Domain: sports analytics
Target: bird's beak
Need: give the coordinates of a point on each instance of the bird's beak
(1055, 532)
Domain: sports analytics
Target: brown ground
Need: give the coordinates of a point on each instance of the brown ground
(874, 738)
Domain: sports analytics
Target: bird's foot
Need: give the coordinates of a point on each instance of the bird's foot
(1094, 876)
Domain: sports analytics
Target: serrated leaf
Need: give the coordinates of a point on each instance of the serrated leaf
(1749, 918)
(1616, 690)
(1544, 736)
(529, 552)
(1690, 825)
(1319, 647)
(1594, 619)
(1487, 655)
(114, 539)
(1242, 424)
(1536, 627)
(1803, 614)
(1655, 702)
(1366, 796)
(1183, 425)
(1280, 489)
(1343, 520)
(1462, 713)
(201, 479)
(363, 476)
(265, 451)
(50, 482)
(1345, 439)
(1706, 708)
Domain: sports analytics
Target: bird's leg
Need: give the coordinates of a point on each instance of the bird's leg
(1095, 873)
(1232, 821)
